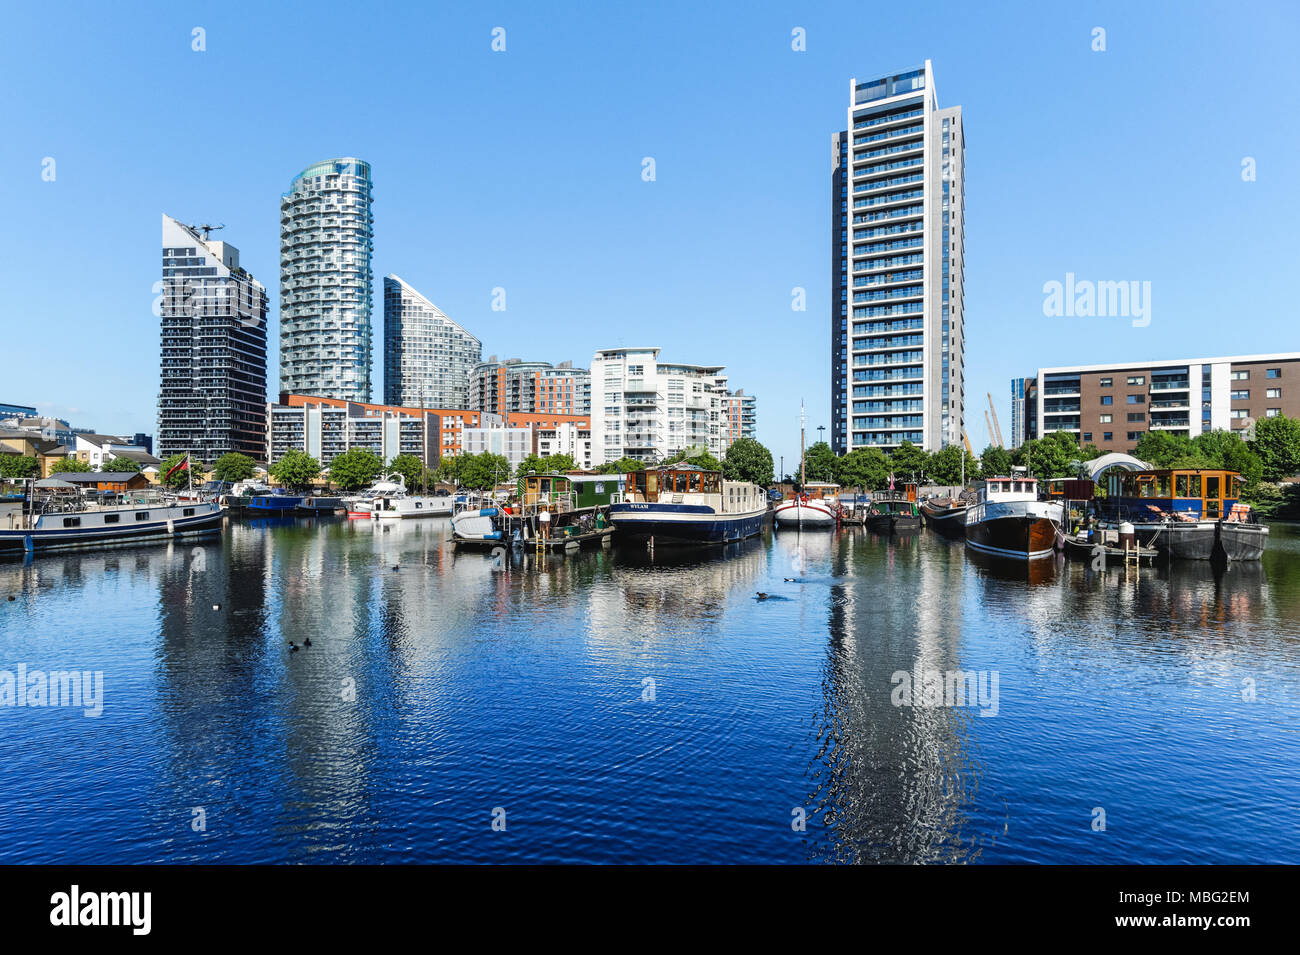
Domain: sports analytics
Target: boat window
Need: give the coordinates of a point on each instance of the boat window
(72, 522)
(142, 515)
(599, 487)
(697, 483)
(1180, 486)
(112, 518)
(1193, 485)
(187, 512)
(1234, 485)
(1162, 485)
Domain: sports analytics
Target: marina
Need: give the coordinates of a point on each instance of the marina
(760, 707)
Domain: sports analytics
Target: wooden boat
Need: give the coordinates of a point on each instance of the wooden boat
(945, 515)
(1187, 513)
(891, 515)
(816, 505)
(683, 504)
(1008, 520)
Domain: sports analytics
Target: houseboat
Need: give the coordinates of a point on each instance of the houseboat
(279, 502)
(683, 504)
(894, 510)
(1188, 513)
(1008, 520)
(816, 505)
(75, 524)
(321, 505)
(947, 515)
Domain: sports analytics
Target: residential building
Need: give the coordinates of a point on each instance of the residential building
(1112, 406)
(741, 419)
(513, 444)
(564, 437)
(515, 386)
(326, 240)
(97, 450)
(897, 267)
(648, 410)
(1017, 412)
(427, 356)
(51, 429)
(16, 411)
(212, 392)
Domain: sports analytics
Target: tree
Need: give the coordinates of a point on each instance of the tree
(354, 469)
(697, 458)
(179, 478)
(621, 466)
(483, 471)
(541, 465)
(65, 465)
(819, 462)
(908, 462)
(945, 466)
(448, 469)
(116, 463)
(410, 467)
(1162, 448)
(863, 468)
(233, 466)
(747, 460)
(995, 462)
(1277, 445)
(297, 469)
(19, 466)
(1048, 457)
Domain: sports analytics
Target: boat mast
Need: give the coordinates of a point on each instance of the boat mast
(802, 423)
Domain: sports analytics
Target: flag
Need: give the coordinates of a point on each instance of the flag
(891, 480)
(182, 465)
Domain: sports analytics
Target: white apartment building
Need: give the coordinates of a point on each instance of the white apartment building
(897, 267)
(564, 437)
(513, 444)
(648, 410)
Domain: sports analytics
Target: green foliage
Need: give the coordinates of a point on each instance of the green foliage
(18, 466)
(747, 460)
(1277, 445)
(1049, 457)
(448, 469)
(355, 469)
(180, 478)
(297, 469)
(1225, 449)
(621, 466)
(1162, 448)
(410, 467)
(995, 462)
(945, 466)
(908, 462)
(65, 465)
(121, 464)
(819, 463)
(233, 466)
(483, 471)
(541, 465)
(864, 468)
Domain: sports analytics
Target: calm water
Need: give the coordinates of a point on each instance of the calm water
(523, 685)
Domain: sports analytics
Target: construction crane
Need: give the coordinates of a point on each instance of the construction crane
(207, 229)
(966, 441)
(989, 426)
(997, 430)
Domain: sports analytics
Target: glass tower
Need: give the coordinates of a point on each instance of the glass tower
(326, 238)
(427, 356)
(897, 267)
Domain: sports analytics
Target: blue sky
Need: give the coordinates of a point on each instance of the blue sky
(522, 170)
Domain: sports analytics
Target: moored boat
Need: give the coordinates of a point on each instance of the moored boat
(683, 504)
(945, 515)
(477, 526)
(891, 514)
(816, 505)
(278, 501)
(1008, 520)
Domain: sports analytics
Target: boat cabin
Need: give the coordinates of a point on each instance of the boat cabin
(567, 492)
(906, 491)
(685, 484)
(1185, 494)
(1002, 489)
(819, 491)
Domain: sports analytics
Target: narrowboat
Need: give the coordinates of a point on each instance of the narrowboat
(1008, 520)
(816, 505)
(683, 504)
(277, 502)
(81, 526)
(321, 505)
(1187, 513)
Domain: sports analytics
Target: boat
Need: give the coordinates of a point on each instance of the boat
(893, 511)
(321, 505)
(815, 504)
(278, 501)
(946, 515)
(684, 504)
(477, 526)
(1186, 513)
(63, 522)
(1112, 546)
(1008, 520)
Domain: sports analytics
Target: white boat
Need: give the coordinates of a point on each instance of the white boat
(476, 526)
(1009, 520)
(389, 507)
(683, 504)
(76, 525)
(815, 506)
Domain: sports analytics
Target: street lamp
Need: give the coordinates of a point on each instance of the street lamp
(820, 429)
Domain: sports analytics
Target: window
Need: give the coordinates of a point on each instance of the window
(1137, 416)
(1106, 419)
(1105, 383)
(1135, 435)
(1137, 379)
(1272, 392)
(1137, 399)
(142, 515)
(1273, 373)
(72, 522)
(112, 518)
(187, 512)
(1108, 435)
(1087, 436)
(1107, 400)
(1241, 376)
(1272, 412)
(1242, 394)
(1240, 413)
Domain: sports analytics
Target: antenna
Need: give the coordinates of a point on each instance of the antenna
(207, 229)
